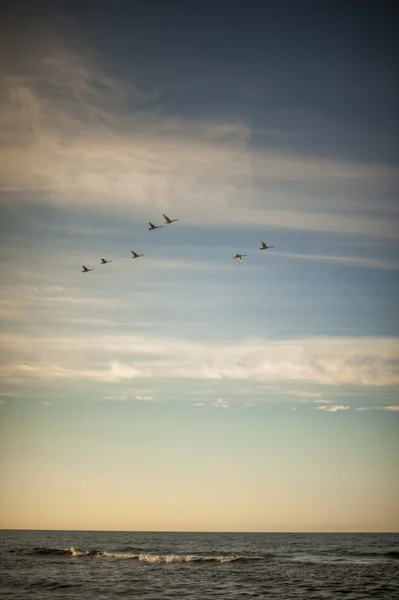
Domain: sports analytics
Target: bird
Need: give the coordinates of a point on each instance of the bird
(239, 256)
(104, 261)
(152, 226)
(136, 254)
(265, 246)
(167, 220)
(85, 269)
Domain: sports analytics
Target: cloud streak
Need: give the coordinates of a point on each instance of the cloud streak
(357, 261)
(332, 407)
(393, 408)
(123, 357)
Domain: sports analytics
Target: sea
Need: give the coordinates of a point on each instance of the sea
(96, 565)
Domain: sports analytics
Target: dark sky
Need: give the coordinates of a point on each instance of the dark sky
(329, 67)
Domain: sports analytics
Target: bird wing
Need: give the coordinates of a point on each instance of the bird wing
(239, 258)
(167, 220)
(151, 225)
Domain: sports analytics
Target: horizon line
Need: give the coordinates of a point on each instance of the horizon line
(301, 532)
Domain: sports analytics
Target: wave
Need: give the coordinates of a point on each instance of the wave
(342, 556)
(53, 585)
(146, 558)
(211, 557)
(189, 558)
(62, 552)
(393, 554)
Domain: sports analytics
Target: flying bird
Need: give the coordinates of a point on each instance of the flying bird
(239, 256)
(85, 269)
(136, 254)
(104, 261)
(265, 246)
(167, 220)
(152, 226)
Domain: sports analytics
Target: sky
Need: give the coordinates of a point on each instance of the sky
(185, 390)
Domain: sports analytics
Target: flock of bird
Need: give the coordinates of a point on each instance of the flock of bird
(167, 221)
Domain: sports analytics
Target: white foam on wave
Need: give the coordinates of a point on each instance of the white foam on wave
(158, 558)
(75, 552)
(187, 558)
(121, 555)
(167, 558)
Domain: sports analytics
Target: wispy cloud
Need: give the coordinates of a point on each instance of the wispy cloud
(332, 407)
(303, 394)
(145, 398)
(19, 302)
(358, 261)
(221, 403)
(394, 408)
(185, 264)
(92, 138)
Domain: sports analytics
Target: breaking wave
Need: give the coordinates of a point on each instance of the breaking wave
(145, 558)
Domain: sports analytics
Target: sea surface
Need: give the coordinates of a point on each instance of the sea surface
(158, 566)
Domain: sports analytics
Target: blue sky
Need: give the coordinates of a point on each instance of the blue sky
(185, 370)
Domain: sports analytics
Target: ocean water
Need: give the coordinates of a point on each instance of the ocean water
(158, 566)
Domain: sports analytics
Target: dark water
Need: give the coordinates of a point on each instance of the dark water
(159, 566)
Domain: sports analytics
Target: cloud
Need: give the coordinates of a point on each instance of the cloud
(221, 403)
(394, 408)
(303, 394)
(116, 398)
(123, 356)
(357, 261)
(332, 407)
(145, 398)
(45, 403)
(82, 231)
(78, 137)
(198, 404)
(22, 301)
(185, 264)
